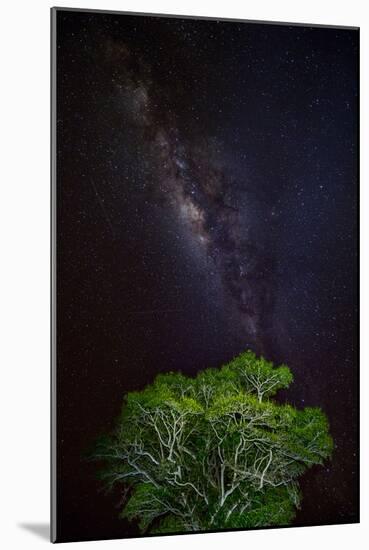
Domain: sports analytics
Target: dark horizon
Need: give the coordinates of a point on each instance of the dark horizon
(207, 187)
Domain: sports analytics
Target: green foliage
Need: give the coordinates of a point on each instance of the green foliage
(214, 451)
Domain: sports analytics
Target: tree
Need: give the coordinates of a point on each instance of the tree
(214, 451)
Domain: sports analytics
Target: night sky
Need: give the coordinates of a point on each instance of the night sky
(206, 204)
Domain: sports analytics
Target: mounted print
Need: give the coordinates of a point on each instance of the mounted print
(205, 270)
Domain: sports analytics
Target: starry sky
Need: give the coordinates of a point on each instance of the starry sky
(206, 204)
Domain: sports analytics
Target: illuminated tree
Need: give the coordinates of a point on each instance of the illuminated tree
(214, 451)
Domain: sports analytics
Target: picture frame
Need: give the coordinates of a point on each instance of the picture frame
(179, 151)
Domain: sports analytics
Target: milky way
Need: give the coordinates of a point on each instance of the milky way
(191, 176)
(206, 204)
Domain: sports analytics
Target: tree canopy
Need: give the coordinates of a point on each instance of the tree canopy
(214, 451)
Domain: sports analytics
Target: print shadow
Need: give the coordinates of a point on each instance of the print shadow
(42, 530)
